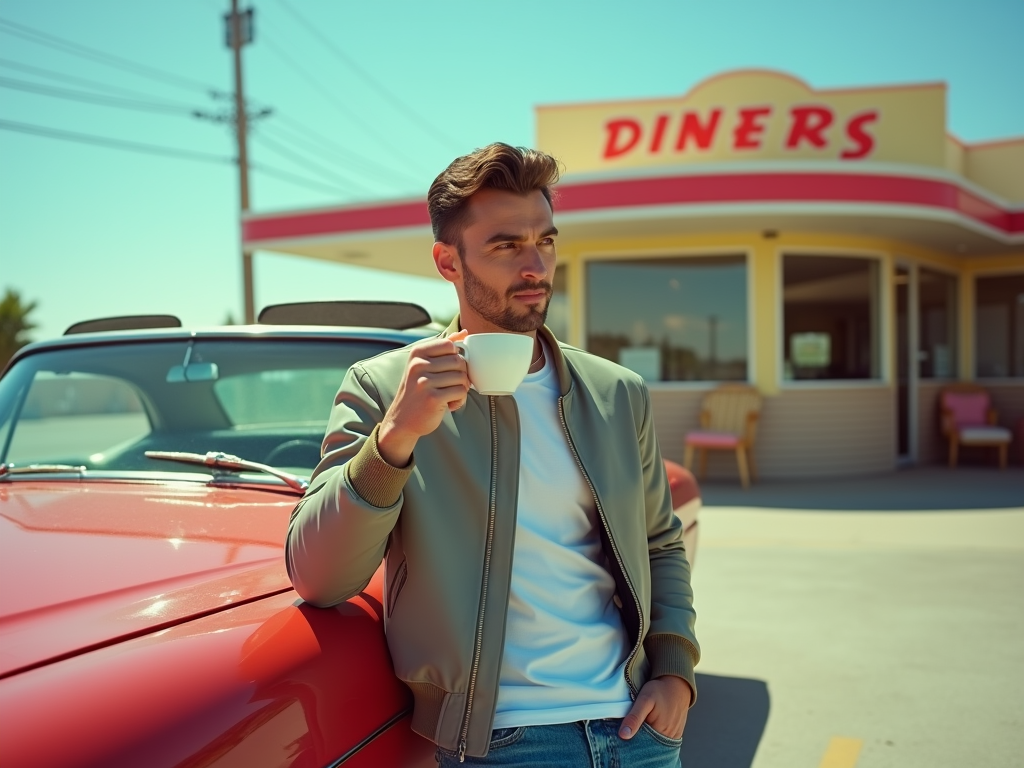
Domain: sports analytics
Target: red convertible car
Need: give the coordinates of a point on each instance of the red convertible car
(146, 479)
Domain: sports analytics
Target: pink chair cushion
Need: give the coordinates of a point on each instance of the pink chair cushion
(712, 439)
(968, 408)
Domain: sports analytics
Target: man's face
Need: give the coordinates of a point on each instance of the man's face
(507, 259)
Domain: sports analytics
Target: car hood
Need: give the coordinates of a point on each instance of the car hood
(87, 564)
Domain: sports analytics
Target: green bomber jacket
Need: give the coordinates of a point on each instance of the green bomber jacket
(445, 527)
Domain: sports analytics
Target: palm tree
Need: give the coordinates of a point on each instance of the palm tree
(14, 324)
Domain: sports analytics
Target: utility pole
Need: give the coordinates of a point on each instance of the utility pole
(239, 32)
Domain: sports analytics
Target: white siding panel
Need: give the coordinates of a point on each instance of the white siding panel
(803, 433)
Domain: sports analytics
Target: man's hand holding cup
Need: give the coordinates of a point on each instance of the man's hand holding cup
(436, 381)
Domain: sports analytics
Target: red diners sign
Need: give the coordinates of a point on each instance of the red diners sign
(807, 126)
(751, 116)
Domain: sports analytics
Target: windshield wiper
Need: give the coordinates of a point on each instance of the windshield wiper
(6, 470)
(233, 463)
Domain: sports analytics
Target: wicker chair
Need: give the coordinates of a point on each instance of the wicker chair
(967, 418)
(728, 421)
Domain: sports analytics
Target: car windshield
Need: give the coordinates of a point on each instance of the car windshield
(104, 406)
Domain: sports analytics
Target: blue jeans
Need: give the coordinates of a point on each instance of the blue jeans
(586, 744)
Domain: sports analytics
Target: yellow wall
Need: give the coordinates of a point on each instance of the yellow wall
(999, 167)
(956, 156)
(765, 267)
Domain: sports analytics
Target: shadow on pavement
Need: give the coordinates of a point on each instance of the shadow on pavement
(920, 488)
(726, 725)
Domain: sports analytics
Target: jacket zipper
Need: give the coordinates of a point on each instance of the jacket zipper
(492, 512)
(611, 541)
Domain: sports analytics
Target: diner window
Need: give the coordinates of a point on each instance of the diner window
(937, 326)
(831, 317)
(558, 308)
(999, 326)
(670, 319)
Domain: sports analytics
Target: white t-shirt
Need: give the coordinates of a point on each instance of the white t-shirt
(565, 645)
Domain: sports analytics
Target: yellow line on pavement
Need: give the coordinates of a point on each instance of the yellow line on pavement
(842, 752)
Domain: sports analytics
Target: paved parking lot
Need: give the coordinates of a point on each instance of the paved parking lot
(889, 635)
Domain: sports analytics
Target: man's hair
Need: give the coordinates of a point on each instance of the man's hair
(496, 166)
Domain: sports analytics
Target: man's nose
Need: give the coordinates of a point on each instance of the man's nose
(533, 265)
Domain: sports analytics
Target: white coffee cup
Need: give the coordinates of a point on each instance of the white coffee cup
(498, 362)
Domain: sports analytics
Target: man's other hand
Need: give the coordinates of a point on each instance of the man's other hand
(436, 381)
(662, 703)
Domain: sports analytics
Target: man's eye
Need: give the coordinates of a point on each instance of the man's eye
(506, 246)
(548, 241)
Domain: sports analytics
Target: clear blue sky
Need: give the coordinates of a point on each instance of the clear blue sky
(88, 231)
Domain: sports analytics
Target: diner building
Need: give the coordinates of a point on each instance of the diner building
(838, 249)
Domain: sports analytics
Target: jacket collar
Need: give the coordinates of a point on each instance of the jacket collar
(564, 377)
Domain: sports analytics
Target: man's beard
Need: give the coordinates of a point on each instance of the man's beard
(487, 303)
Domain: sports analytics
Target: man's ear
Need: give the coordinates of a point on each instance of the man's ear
(446, 259)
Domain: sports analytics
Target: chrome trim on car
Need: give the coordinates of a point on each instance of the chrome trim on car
(395, 719)
(256, 482)
(8, 471)
(219, 460)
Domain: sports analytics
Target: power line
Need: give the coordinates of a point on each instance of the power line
(144, 105)
(445, 141)
(332, 99)
(82, 51)
(126, 103)
(93, 98)
(333, 146)
(306, 163)
(65, 78)
(301, 181)
(303, 134)
(75, 49)
(160, 151)
(95, 84)
(291, 153)
(170, 108)
(103, 141)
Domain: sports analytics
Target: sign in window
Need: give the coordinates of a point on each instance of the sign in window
(671, 319)
(831, 317)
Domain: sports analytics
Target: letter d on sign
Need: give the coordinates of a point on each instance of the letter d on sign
(623, 135)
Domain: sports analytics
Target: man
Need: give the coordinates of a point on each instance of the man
(537, 595)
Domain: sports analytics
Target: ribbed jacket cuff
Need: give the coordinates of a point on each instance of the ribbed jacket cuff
(672, 655)
(429, 700)
(378, 483)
